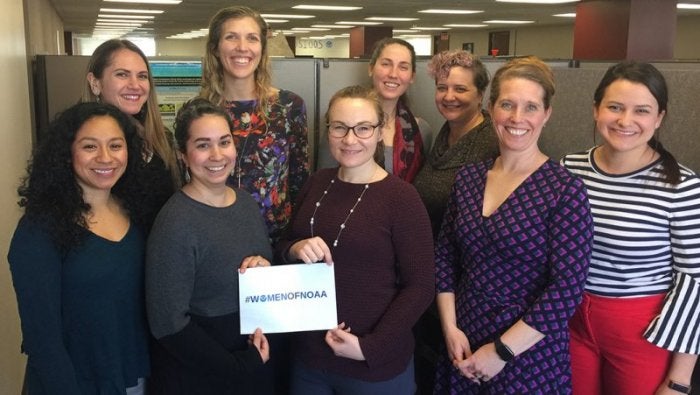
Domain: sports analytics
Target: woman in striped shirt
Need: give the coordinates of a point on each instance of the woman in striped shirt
(638, 328)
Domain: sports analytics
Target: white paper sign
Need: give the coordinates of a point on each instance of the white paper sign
(287, 298)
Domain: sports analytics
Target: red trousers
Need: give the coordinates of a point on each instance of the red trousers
(609, 354)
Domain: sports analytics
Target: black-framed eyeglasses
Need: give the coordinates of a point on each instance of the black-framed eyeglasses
(361, 130)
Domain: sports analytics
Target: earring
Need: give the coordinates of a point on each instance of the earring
(187, 175)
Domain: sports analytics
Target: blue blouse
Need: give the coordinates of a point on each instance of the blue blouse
(83, 315)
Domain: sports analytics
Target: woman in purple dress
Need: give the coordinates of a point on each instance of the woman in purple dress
(513, 252)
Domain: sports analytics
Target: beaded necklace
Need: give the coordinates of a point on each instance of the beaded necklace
(352, 210)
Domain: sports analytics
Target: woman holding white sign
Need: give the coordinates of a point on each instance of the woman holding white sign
(374, 229)
(203, 234)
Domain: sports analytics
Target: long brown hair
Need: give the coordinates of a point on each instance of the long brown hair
(152, 130)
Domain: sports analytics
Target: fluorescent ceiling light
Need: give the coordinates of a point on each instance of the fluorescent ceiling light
(126, 16)
(414, 35)
(325, 7)
(276, 20)
(287, 16)
(131, 11)
(567, 15)
(358, 23)
(688, 6)
(444, 11)
(403, 31)
(117, 24)
(538, 1)
(430, 28)
(146, 1)
(390, 19)
(310, 29)
(333, 26)
(465, 25)
(508, 22)
(122, 20)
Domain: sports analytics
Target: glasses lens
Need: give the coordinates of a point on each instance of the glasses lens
(337, 129)
(364, 131)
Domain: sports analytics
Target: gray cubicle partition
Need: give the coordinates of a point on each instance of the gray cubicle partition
(315, 80)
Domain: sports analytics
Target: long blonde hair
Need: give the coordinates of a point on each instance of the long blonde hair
(212, 70)
(152, 130)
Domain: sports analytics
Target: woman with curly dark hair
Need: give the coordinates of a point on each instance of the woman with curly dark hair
(77, 257)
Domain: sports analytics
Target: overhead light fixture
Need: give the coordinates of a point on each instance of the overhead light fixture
(310, 29)
(276, 20)
(429, 28)
(358, 23)
(325, 7)
(508, 22)
(688, 6)
(567, 15)
(123, 20)
(146, 1)
(125, 16)
(445, 11)
(390, 19)
(403, 31)
(333, 26)
(538, 1)
(117, 24)
(131, 11)
(466, 25)
(287, 16)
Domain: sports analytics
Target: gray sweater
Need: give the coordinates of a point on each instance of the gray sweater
(193, 254)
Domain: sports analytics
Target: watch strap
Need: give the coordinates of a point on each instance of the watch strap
(504, 352)
(683, 389)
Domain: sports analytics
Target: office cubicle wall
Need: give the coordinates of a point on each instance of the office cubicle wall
(315, 80)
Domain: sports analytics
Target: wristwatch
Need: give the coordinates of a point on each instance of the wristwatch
(504, 352)
(683, 389)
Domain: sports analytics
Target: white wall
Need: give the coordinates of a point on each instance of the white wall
(323, 48)
(15, 145)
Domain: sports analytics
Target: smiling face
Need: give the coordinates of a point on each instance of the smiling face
(351, 151)
(210, 153)
(392, 73)
(99, 154)
(519, 114)
(124, 82)
(240, 48)
(456, 96)
(627, 116)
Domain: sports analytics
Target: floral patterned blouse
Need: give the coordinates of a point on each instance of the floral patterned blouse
(272, 162)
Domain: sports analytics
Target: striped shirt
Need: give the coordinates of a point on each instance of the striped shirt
(646, 242)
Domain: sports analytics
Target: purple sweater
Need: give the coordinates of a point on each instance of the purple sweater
(384, 270)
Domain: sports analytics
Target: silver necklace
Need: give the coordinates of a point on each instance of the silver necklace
(352, 210)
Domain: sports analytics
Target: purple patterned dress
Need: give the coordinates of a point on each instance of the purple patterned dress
(272, 162)
(528, 261)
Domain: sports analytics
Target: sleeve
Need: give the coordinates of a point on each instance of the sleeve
(413, 245)
(170, 275)
(447, 257)
(570, 235)
(36, 267)
(298, 147)
(677, 328)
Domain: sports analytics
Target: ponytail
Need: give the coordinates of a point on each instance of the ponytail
(671, 170)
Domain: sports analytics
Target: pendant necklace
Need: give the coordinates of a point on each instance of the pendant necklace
(352, 210)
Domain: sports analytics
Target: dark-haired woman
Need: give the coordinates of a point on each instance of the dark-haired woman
(202, 236)
(118, 73)
(77, 258)
(637, 330)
